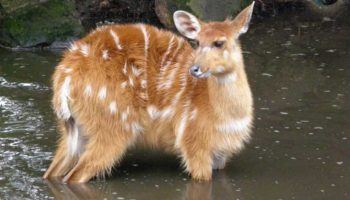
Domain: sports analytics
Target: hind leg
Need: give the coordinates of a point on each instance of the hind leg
(106, 145)
(62, 161)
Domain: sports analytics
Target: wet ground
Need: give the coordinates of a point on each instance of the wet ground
(300, 76)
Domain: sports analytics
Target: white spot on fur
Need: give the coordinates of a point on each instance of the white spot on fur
(234, 126)
(143, 95)
(85, 49)
(229, 78)
(143, 84)
(166, 113)
(105, 55)
(135, 71)
(116, 39)
(124, 84)
(64, 97)
(136, 128)
(226, 55)
(126, 126)
(113, 107)
(102, 93)
(124, 117)
(73, 47)
(193, 114)
(88, 90)
(153, 112)
(131, 82)
(68, 70)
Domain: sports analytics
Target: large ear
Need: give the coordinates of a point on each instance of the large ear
(187, 24)
(241, 22)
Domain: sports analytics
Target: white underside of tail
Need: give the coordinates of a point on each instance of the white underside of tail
(75, 142)
(64, 111)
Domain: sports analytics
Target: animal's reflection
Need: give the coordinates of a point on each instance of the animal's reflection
(73, 191)
(219, 188)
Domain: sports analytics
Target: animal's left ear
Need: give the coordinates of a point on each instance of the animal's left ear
(241, 22)
(187, 24)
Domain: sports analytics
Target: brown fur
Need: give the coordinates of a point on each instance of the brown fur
(196, 105)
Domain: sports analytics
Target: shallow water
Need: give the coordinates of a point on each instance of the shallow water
(300, 76)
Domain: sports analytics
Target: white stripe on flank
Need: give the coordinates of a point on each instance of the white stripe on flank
(165, 82)
(116, 39)
(64, 97)
(170, 79)
(113, 107)
(84, 49)
(136, 128)
(102, 93)
(171, 43)
(125, 68)
(146, 39)
(88, 90)
(234, 125)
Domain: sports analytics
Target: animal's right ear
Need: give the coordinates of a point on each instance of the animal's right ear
(187, 24)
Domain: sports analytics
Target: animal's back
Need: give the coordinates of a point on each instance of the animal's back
(124, 75)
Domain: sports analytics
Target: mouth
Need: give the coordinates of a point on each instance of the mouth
(196, 72)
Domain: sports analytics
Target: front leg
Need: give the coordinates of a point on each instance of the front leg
(197, 156)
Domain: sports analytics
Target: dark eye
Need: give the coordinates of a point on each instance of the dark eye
(218, 43)
(194, 44)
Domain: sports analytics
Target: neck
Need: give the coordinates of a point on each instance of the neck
(230, 95)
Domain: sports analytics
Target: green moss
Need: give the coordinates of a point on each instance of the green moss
(42, 23)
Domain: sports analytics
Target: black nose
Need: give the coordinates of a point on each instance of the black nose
(195, 70)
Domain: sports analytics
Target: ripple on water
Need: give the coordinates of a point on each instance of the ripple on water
(29, 86)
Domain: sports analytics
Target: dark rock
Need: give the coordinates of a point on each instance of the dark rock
(38, 23)
(93, 12)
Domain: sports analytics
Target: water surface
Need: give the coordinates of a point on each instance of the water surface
(299, 73)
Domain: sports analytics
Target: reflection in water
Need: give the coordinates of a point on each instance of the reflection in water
(73, 192)
(193, 190)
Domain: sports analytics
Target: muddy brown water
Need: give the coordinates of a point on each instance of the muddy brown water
(300, 76)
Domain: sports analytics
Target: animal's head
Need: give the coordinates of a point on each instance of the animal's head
(218, 50)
